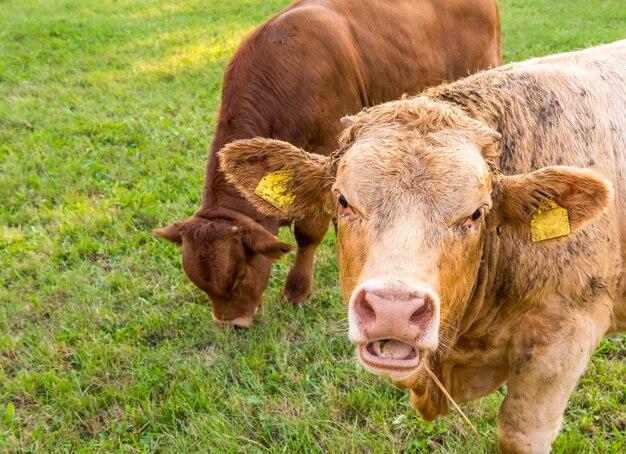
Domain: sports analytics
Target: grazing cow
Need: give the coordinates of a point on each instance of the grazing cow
(293, 78)
(473, 236)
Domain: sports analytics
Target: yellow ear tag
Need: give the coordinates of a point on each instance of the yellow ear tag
(275, 188)
(550, 221)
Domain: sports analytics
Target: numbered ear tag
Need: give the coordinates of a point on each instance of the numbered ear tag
(550, 221)
(275, 188)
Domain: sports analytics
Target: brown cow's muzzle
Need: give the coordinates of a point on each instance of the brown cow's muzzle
(243, 321)
(392, 322)
(227, 314)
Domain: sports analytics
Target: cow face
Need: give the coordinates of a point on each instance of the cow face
(229, 257)
(415, 191)
(410, 237)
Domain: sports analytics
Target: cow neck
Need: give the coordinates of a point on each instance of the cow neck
(218, 192)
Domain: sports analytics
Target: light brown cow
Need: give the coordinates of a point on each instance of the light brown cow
(292, 79)
(439, 197)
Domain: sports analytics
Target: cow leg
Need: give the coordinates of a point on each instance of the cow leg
(309, 233)
(545, 365)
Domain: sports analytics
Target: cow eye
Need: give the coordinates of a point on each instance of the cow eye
(473, 220)
(345, 210)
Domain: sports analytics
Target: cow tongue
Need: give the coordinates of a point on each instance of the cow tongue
(393, 349)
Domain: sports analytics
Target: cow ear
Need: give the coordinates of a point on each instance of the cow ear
(280, 180)
(347, 121)
(262, 242)
(584, 193)
(170, 233)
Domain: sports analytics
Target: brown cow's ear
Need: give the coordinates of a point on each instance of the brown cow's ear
(280, 180)
(584, 193)
(170, 233)
(262, 242)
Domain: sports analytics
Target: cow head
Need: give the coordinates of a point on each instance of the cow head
(415, 189)
(228, 256)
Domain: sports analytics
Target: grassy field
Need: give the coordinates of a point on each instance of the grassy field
(106, 112)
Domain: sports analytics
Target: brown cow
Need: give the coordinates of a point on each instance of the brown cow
(292, 79)
(472, 237)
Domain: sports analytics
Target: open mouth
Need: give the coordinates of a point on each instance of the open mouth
(389, 355)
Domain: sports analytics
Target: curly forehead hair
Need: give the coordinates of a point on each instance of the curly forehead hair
(418, 115)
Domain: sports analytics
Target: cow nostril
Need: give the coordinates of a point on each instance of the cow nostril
(364, 309)
(368, 308)
(423, 313)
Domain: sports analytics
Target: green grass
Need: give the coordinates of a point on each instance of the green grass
(106, 113)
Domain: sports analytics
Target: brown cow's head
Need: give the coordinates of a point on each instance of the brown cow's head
(415, 190)
(228, 256)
